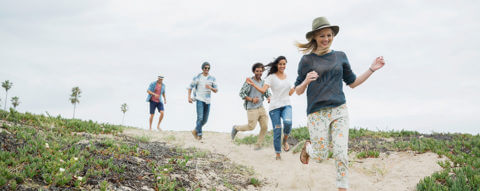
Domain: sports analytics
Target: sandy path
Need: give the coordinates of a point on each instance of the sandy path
(398, 171)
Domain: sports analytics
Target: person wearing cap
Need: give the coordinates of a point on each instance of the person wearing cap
(253, 103)
(280, 108)
(201, 87)
(156, 90)
(321, 72)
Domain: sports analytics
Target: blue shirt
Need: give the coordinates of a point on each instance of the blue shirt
(327, 90)
(151, 87)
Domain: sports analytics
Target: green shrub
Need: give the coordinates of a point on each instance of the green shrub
(255, 182)
(368, 154)
(43, 150)
(103, 185)
(13, 184)
(252, 139)
(300, 133)
(143, 138)
(59, 124)
(3, 181)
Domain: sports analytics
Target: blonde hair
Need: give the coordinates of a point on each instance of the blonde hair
(311, 45)
(308, 47)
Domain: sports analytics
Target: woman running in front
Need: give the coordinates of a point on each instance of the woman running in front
(321, 71)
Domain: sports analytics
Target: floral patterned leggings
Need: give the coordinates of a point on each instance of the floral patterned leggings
(326, 124)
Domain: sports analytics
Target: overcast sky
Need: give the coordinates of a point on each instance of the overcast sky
(112, 50)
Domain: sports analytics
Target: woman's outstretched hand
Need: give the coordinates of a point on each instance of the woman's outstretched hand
(249, 81)
(378, 63)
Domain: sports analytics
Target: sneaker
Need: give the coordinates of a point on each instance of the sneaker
(234, 132)
(194, 133)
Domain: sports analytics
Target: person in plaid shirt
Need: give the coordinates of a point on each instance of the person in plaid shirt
(254, 105)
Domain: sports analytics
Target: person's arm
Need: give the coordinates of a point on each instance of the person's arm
(214, 86)
(164, 98)
(151, 92)
(192, 85)
(267, 94)
(260, 89)
(378, 63)
(311, 76)
(303, 78)
(254, 100)
(189, 96)
(291, 91)
(214, 90)
(244, 91)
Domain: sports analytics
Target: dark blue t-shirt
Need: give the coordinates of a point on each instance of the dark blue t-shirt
(327, 90)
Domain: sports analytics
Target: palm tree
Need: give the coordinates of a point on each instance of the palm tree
(15, 102)
(124, 109)
(7, 85)
(74, 98)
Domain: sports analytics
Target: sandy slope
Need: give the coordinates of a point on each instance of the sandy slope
(398, 171)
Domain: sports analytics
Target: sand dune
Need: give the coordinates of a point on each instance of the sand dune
(397, 171)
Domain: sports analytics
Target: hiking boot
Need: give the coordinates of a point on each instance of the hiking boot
(234, 132)
(194, 133)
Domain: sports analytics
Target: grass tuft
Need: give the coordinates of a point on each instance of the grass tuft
(143, 138)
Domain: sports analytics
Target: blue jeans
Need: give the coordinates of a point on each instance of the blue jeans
(203, 110)
(285, 114)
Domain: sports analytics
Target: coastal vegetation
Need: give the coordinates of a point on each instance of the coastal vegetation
(43, 152)
(460, 172)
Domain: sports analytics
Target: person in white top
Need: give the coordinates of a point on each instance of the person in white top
(280, 108)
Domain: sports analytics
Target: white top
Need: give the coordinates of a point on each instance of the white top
(203, 94)
(280, 89)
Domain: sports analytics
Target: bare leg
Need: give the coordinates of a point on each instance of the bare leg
(151, 119)
(160, 120)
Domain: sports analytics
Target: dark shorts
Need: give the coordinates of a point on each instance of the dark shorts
(154, 105)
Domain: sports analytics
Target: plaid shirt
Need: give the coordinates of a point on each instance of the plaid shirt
(246, 88)
(194, 84)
